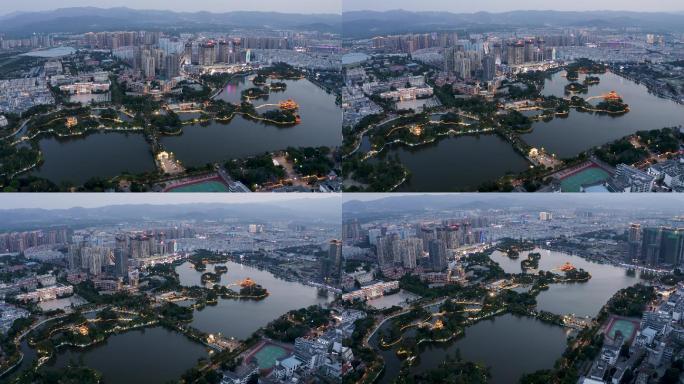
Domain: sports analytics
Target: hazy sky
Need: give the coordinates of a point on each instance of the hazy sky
(468, 6)
(290, 6)
(562, 199)
(91, 200)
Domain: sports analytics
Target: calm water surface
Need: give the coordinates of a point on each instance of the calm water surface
(320, 126)
(458, 163)
(584, 299)
(52, 52)
(151, 355)
(511, 346)
(567, 137)
(95, 155)
(109, 154)
(240, 318)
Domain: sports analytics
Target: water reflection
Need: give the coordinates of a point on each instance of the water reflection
(240, 318)
(581, 131)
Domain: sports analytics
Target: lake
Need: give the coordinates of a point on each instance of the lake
(52, 52)
(457, 163)
(510, 345)
(567, 137)
(150, 355)
(97, 154)
(320, 126)
(583, 299)
(106, 155)
(354, 58)
(240, 318)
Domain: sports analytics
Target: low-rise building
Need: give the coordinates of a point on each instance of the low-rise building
(411, 93)
(630, 179)
(285, 368)
(241, 375)
(372, 291)
(45, 294)
(668, 172)
(8, 314)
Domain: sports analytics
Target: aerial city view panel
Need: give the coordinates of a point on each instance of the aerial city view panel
(197, 288)
(514, 288)
(525, 96)
(167, 97)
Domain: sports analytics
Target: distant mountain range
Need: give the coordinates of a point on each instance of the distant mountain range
(353, 24)
(360, 24)
(85, 19)
(300, 210)
(401, 205)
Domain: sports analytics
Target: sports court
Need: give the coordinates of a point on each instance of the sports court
(203, 186)
(626, 327)
(267, 355)
(589, 175)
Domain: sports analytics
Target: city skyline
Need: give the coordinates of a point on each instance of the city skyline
(626, 199)
(66, 200)
(497, 6)
(299, 6)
